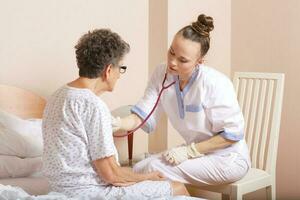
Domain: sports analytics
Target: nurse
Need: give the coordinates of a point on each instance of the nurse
(203, 108)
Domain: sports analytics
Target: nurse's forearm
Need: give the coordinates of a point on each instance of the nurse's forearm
(214, 143)
(130, 122)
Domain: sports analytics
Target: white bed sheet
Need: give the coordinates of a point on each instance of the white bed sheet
(35, 185)
(13, 193)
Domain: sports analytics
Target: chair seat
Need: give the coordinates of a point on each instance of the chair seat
(254, 180)
(253, 175)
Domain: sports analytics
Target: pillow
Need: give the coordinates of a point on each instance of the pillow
(19, 137)
(31, 127)
(16, 144)
(13, 167)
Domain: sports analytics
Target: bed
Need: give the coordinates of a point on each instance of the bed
(24, 104)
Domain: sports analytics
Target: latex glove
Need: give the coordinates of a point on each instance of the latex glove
(116, 123)
(179, 154)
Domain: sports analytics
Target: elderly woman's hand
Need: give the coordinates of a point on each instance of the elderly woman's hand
(123, 184)
(177, 155)
(155, 176)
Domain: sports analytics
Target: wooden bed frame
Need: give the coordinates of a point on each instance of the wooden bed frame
(21, 102)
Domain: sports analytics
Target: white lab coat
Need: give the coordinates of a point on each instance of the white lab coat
(207, 106)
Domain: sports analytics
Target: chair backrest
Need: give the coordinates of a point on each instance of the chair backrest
(260, 98)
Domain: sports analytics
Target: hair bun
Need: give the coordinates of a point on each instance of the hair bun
(203, 25)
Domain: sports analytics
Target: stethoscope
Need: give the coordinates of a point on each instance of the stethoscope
(154, 107)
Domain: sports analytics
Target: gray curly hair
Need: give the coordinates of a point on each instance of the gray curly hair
(97, 49)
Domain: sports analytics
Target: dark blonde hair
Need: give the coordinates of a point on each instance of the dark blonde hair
(199, 31)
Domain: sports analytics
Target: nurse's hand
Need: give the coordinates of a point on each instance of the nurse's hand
(177, 155)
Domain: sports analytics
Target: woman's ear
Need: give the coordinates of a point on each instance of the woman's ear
(201, 60)
(107, 71)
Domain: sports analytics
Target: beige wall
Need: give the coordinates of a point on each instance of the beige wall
(158, 46)
(37, 46)
(265, 38)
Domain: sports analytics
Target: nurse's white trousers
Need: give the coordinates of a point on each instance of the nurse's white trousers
(211, 169)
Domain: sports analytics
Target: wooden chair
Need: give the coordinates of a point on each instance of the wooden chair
(260, 97)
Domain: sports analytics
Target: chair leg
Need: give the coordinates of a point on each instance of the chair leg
(225, 197)
(271, 192)
(236, 194)
(130, 147)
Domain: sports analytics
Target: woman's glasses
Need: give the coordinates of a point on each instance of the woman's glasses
(122, 69)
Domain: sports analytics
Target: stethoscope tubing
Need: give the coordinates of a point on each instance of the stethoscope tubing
(154, 107)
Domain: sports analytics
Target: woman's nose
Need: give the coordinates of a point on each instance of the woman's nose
(172, 62)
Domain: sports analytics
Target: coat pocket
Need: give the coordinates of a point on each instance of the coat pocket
(193, 108)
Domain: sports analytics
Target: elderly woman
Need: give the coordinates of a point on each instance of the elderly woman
(80, 158)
